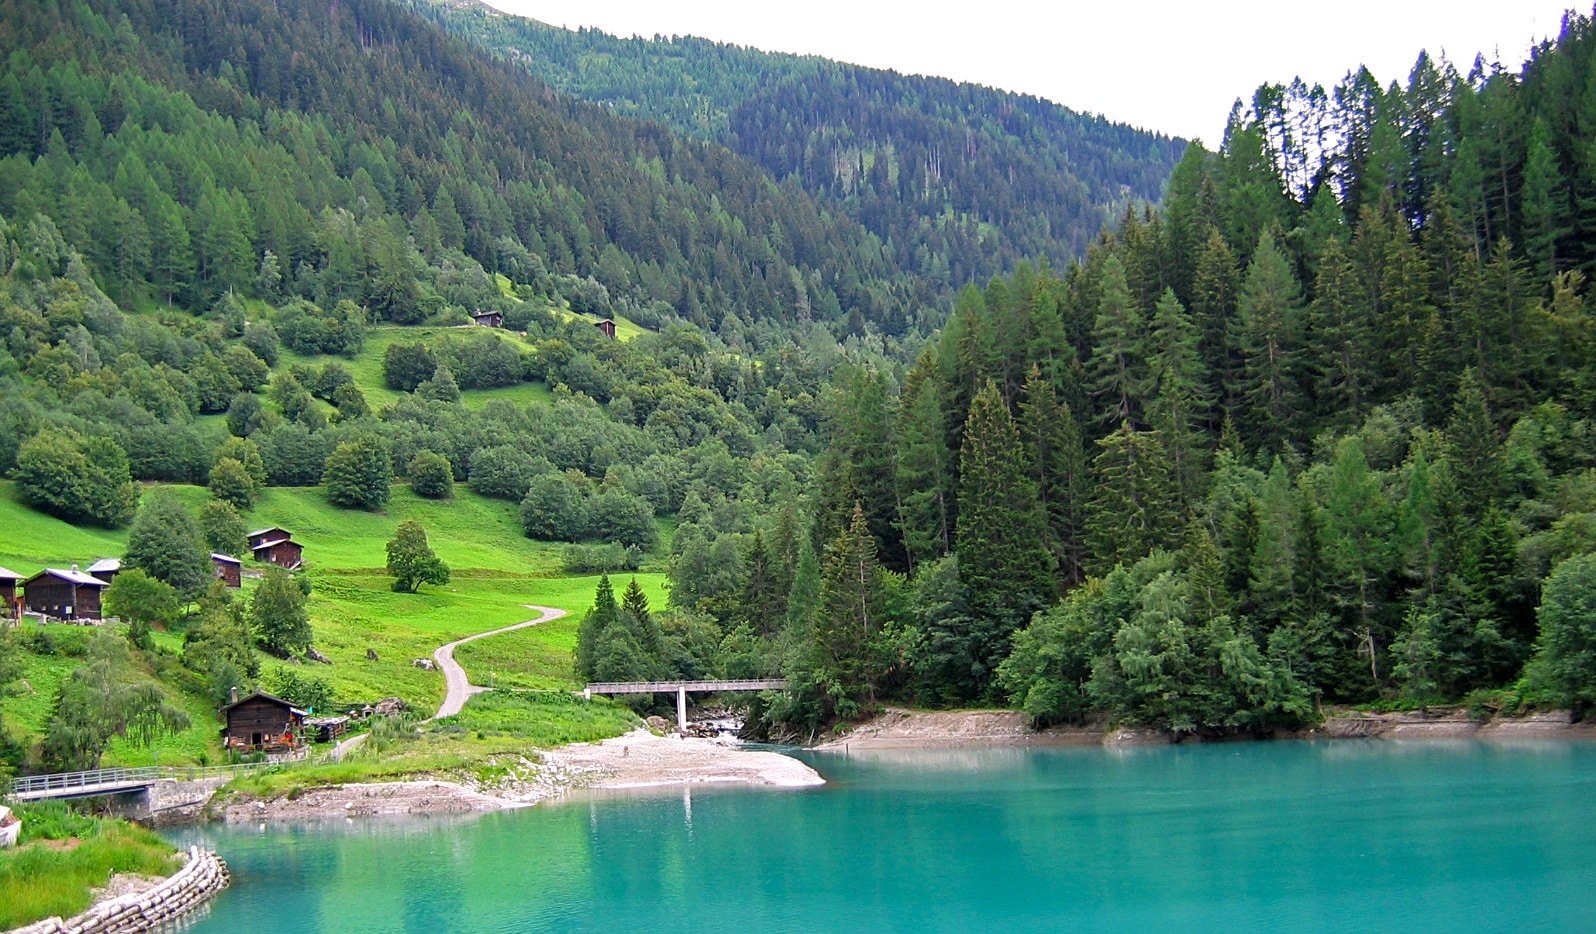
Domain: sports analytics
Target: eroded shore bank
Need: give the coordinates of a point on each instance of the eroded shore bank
(638, 760)
(915, 729)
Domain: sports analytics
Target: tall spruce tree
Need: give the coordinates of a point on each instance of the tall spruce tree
(1270, 329)
(1118, 366)
(1178, 409)
(1134, 508)
(1003, 557)
(1057, 467)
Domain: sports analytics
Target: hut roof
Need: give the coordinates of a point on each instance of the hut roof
(273, 542)
(12, 576)
(71, 577)
(262, 695)
(106, 565)
(225, 559)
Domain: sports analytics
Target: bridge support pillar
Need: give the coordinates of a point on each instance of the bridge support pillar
(587, 693)
(681, 709)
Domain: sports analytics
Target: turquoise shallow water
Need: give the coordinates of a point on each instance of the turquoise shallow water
(1345, 836)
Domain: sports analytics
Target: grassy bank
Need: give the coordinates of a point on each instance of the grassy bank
(63, 855)
(494, 733)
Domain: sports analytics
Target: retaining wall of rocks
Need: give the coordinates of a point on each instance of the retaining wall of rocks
(190, 887)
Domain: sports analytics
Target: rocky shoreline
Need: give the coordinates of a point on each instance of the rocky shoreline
(912, 729)
(638, 760)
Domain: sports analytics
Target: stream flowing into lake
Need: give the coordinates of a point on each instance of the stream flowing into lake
(1324, 836)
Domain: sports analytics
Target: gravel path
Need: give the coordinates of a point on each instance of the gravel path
(459, 687)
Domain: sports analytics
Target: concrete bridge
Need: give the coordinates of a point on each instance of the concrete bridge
(144, 792)
(681, 688)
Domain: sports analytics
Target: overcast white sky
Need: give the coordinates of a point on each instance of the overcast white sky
(1169, 66)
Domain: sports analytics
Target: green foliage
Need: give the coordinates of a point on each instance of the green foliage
(411, 561)
(231, 483)
(223, 528)
(104, 699)
(431, 476)
(142, 601)
(309, 692)
(359, 473)
(277, 615)
(79, 479)
(1564, 667)
(166, 543)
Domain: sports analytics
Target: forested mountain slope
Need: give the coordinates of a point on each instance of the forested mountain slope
(960, 181)
(332, 134)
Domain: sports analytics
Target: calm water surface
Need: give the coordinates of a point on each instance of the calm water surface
(1345, 836)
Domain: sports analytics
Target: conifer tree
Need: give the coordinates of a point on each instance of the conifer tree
(1473, 448)
(924, 465)
(1178, 407)
(1057, 462)
(1339, 340)
(1118, 364)
(1269, 313)
(1002, 533)
(764, 606)
(604, 615)
(1133, 510)
(850, 615)
(1213, 305)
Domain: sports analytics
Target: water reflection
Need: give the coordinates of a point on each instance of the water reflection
(1338, 836)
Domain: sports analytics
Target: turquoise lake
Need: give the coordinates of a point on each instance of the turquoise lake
(1332, 836)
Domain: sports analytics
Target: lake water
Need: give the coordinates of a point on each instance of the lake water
(1337, 836)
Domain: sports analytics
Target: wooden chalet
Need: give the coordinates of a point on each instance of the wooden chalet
(266, 535)
(283, 552)
(64, 594)
(262, 723)
(229, 570)
(10, 602)
(607, 326)
(105, 569)
(488, 319)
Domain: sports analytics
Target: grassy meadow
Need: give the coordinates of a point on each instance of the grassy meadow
(496, 573)
(64, 854)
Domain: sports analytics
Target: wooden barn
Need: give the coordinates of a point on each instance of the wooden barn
(229, 570)
(261, 722)
(10, 601)
(69, 594)
(607, 326)
(488, 319)
(105, 569)
(266, 535)
(283, 552)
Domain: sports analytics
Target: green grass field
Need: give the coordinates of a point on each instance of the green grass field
(496, 573)
(64, 854)
(367, 365)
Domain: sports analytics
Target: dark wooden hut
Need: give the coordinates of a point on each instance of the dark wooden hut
(489, 319)
(105, 569)
(229, 570)
(261, 722)
(10, 602)
(283, 552)
(266, 535)
(64, 594)
(607, 326)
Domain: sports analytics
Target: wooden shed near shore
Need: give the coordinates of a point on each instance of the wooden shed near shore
(262, 722)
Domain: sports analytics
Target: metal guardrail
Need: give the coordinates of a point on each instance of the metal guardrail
(669, 687)
(68, 781)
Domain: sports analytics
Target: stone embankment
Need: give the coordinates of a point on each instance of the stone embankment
(168, 900)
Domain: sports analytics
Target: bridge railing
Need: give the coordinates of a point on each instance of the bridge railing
(62, 781)
(68, 781)
(669, 687)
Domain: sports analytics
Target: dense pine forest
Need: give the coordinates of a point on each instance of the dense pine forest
(959, 181)
(902, 421)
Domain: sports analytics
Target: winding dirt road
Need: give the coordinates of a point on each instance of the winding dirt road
(459, 687)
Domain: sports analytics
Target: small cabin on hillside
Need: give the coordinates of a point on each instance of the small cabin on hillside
(106, 569)
(607, 326)
(266, 535)
(10, 603)
(263, 723)
(229, 570)
(283, 552)
(488, 319)
(64, 594)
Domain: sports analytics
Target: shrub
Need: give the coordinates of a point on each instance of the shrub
(431, 476)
